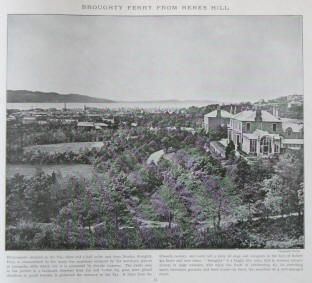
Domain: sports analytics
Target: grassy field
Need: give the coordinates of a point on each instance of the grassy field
(64, 147)
(82, 170)
(155, 157)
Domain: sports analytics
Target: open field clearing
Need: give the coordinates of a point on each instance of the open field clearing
(155, 157)
(64, 147)
(79, 170)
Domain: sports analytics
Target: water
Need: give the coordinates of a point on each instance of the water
(127, 105)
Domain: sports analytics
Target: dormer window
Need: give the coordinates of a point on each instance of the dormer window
(274, 127)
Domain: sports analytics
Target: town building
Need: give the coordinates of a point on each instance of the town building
(100, 126)
(42, 122)
(85, 125)
(294, 144)
(292, 130)
(68, 121)
(29, 120)
(293, 134)
(256, 132)
(215, 119)
(294, 104)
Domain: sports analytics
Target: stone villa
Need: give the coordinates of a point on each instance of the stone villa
(257, 132)
(216, 118)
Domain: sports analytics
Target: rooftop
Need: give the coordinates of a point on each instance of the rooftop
(289, 120)
(224, 114)
(250, 115)
(293, 141)
(85, 124)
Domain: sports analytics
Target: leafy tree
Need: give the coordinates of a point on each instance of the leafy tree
(166, 143)
(290, 170)
(274, 198)
(217, 134)
(218, 199)
(230, 150)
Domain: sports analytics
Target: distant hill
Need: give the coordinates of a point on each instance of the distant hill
(26, 96)
(152, 101)
(171, 101)
(285, 99)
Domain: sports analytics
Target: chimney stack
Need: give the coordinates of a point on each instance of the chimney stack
(258, 117)
(218, 112)
(277, 113)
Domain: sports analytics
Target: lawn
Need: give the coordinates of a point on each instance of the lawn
(82, 170)
(155, 157)
(64, 147)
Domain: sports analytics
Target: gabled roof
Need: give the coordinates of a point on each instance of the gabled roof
(224, 114)
(250, 115)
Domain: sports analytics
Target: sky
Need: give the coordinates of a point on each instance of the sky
(220, 58)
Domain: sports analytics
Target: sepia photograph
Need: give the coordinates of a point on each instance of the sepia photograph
(154, 132)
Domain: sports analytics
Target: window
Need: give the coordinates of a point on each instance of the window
(276, 148)
(265, 145)
(274, 127)
(248, 127)
(237, 139)
(253, 146)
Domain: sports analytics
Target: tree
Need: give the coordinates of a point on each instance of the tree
(165, 142)
(217, 134)
(290, 170)
(230, 150)
(39, 197)
(274, 195)
(171, 204)
(16, 207)
(284, 190)
(218, 199)
(246, 186)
